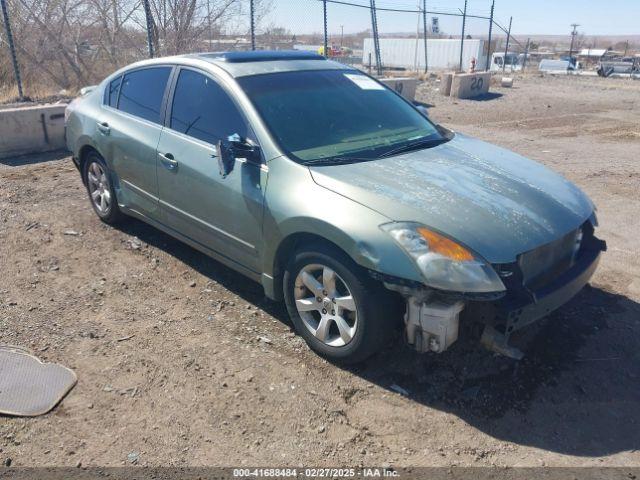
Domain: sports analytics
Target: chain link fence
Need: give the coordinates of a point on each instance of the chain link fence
(52, 45)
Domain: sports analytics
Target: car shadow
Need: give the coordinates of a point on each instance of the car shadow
(423, 104)
(32, 159)
(575, 392)
(485, 97)
(230, 279)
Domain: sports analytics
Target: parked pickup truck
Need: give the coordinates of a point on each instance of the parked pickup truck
(610, 65)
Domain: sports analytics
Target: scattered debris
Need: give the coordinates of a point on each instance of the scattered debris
(133, 391)
(134, 244)
(133, 457)
(264, 340)
(71, 232)
(398, 389)
(122, 339)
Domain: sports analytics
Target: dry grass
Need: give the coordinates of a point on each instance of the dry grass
(32, 91)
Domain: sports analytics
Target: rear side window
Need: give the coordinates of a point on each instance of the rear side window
(203, 109)
(111, 93)
(142, 91)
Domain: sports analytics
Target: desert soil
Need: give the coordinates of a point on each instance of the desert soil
(181, 361)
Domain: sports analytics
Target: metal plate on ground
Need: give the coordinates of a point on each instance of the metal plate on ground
(29, 387)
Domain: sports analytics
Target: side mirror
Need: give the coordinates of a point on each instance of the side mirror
(235, 147)
(226, 160)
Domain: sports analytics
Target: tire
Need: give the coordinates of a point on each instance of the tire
(102, 195)
(372, 322)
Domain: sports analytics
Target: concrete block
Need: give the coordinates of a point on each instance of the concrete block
(32, 129)
(445, 83)
(507, 82)
(469, 85)
(405, 86)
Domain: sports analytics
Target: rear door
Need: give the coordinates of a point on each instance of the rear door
(129, 130)
(223, 214)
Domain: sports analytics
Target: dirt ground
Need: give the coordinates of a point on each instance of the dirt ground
(182, 362)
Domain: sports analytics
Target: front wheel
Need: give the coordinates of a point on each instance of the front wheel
(342, 313)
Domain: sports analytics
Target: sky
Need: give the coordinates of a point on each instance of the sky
(534, 17)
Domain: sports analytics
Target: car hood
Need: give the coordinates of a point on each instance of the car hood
(493, 201)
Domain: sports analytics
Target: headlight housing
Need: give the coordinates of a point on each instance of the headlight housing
(444, 263)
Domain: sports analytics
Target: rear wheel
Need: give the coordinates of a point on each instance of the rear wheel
(342, 313)
(100, 189)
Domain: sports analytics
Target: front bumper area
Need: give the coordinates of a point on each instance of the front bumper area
(522, 305)
(433, 317)
(551, 297)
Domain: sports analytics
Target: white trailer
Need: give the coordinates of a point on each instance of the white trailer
(443, 54)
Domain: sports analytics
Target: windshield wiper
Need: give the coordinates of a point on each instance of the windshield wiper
(334, 161)
(408, 147)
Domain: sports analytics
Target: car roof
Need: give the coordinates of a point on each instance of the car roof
(241, 64)
(260, 56)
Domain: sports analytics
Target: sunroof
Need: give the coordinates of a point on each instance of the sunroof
(263, 56)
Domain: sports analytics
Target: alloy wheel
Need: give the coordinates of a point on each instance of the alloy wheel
(325, 305)
(99, 189)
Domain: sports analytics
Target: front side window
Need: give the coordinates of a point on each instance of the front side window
(336, 114)
(203, 109)
(142, 92)
(111, 92)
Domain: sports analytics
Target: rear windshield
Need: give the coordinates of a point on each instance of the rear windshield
(335, 114)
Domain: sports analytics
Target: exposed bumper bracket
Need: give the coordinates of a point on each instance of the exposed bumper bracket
(497, 342)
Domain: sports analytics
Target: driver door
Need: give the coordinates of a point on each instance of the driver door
(223, 214)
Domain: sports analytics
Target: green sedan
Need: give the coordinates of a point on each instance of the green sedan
(337, 195)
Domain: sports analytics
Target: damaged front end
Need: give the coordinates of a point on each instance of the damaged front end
(539, 282)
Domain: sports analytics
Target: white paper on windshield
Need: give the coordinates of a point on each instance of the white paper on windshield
(365, 83)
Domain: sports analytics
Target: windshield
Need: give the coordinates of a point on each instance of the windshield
(511, 60)
(336, 114)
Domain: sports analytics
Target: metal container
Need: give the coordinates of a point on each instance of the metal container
(444, 54)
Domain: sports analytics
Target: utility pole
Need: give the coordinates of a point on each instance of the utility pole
(415, 51)
(210, 27)
(326, 33)
(12, 49)
(149, 19)
(526, 53)
(376, 37)
(488, 66)
(464, 22)
(252, 14)
(506, 48)
(341, 36)
(425, 26)
(573, 36)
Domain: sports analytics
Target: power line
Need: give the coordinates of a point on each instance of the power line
(405, 10)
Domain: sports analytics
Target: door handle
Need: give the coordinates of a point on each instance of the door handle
(104, 128)
(168, 161)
